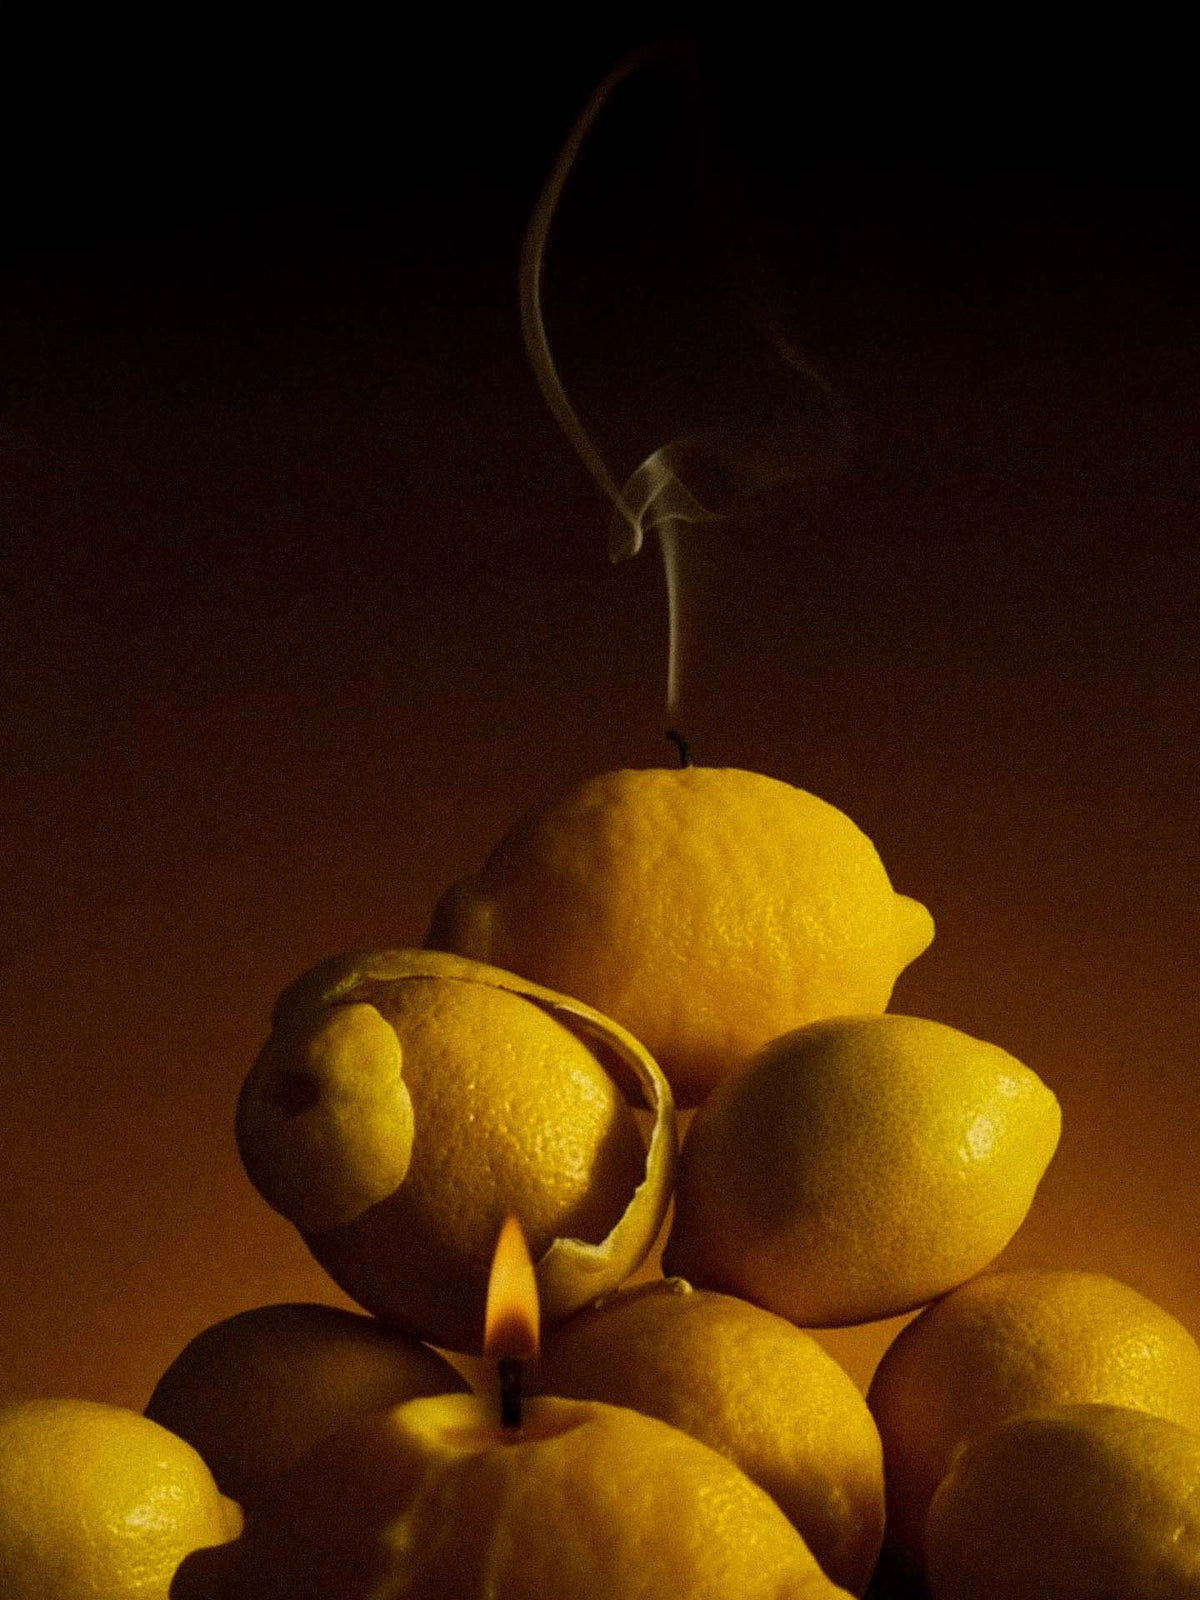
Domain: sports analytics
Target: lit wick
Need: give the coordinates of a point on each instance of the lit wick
(510, 1369)
(512, 1319)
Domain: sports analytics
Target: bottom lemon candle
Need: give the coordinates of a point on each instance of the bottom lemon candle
(436, 1498)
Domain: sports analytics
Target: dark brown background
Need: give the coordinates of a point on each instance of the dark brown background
(304, 596)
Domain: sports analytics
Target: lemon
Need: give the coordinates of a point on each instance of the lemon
(1070, 1503)
(254, 1392)
(706, 909)
(858, 1167)
(1010, 1342)
(479, 1097)
(98, 1503)
(429, 1502)
(748, 1384)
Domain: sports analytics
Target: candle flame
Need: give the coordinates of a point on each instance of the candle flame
(513, 1316)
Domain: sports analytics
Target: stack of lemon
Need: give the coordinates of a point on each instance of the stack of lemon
(711, 939)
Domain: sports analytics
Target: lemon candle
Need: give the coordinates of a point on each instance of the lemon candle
(446, 1496)
(436, 1497)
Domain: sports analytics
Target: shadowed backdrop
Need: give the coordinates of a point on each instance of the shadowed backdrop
(304, 596)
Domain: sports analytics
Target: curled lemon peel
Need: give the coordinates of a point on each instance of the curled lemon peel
(572, 1272)
(324, 1121)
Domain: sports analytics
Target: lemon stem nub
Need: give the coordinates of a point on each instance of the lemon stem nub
(681, 744)
(510, 1370)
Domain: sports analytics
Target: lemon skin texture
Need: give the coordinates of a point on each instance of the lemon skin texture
(514, 1100)
(425, 1503)
(1070, 1503)
(1010, 1342)
(706, 909)
(98, 1503)
(859, 1167)
(747, 1383)
(253, 1393)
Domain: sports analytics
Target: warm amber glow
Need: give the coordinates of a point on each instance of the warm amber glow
(512, 1320)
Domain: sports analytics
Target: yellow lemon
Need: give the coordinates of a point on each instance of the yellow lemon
(858, 1167)
(1070, 1503)
(706, 909)
(1010, 1342)
(434, 1501)
(256, 1391)
(98, 1503)
(750, 1385)
(407, 1101)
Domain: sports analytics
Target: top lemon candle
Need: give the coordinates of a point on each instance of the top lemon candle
(708, 910)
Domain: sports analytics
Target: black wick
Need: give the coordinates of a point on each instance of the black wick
(685, 753)
(510, 1391)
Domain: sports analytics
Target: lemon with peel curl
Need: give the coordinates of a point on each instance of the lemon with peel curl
(484, 1094)
(433, 1500)
(747, 1383)
(1070, 1503)
(706, 909)
(99, 1503)
(858, 1167)
(1009, 1342)
(255, 1391)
